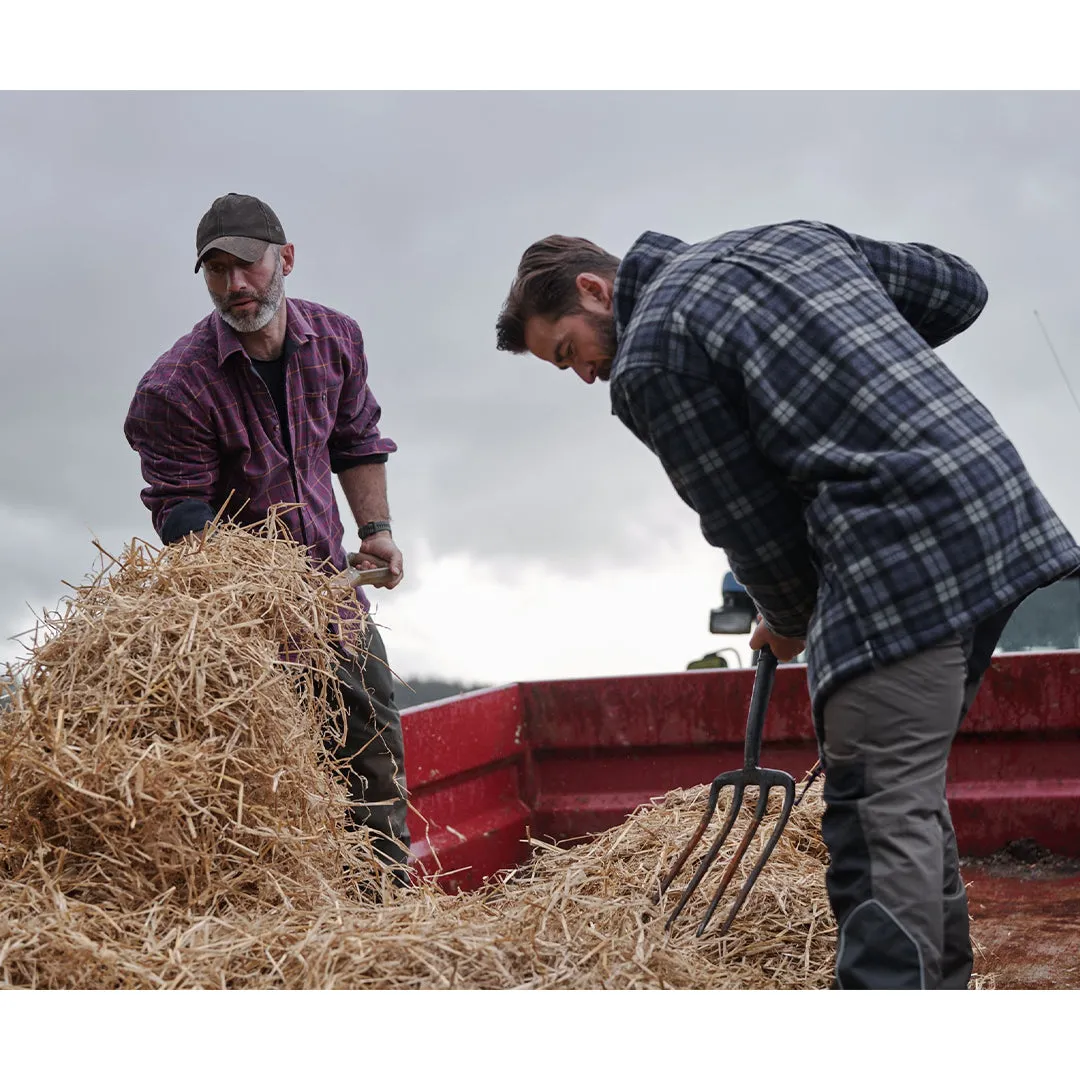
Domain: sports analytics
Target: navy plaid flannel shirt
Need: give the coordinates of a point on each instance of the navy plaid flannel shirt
(786, 379)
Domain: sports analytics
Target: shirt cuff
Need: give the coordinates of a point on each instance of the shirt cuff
(341, 462)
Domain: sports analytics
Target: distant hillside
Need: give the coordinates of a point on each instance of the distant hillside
(418, 692)
(421, 691)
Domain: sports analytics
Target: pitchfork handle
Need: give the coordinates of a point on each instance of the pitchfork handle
(759, 703)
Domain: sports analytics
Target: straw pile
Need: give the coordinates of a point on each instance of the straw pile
(165, 745)
(170, 818)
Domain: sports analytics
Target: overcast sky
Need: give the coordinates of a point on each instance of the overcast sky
(540, 538)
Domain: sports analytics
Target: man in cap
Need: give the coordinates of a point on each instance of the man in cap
(785, 376)
(267, 398)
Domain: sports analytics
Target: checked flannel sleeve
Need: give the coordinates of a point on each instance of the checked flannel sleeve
(939, 294)
(180, 462)
(744, 508)
(355, 439)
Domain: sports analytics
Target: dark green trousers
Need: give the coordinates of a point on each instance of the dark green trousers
(373, 753)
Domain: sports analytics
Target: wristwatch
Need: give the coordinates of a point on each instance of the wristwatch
(373, 527)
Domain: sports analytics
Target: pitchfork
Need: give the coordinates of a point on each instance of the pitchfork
(739, 779)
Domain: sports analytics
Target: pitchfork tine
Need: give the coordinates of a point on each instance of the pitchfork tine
(710, 809)
(763, 858)
(713, 851)
(751, 774)
(729, 871)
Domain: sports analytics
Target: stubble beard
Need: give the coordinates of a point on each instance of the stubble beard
(604, 325)
(269, 300)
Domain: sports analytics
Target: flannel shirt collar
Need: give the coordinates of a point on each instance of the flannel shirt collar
(638, 267)
(297, 327)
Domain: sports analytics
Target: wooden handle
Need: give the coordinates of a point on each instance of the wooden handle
(367, 577)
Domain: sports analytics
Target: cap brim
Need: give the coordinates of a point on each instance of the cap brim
(243, 247)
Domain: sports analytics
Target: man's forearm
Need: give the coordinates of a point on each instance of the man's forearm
(365, 491)
(713, 464)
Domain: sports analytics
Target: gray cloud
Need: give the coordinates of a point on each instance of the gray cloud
(409, 211)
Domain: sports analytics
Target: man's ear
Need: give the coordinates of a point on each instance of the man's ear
(595, 287)
(288, 256)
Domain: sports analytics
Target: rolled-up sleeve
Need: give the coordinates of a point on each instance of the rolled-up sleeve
(356, 439)
(939, 294)
(744, 507)
(179, 457)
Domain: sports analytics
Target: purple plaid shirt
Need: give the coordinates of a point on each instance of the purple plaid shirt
(204, 425)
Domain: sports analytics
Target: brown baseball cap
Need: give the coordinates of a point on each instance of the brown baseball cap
(239, 224)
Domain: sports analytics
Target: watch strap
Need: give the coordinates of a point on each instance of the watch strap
(373, 527)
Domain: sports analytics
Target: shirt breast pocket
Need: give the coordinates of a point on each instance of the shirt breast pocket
(319, 413)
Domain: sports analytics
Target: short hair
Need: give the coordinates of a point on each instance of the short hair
(546, 285)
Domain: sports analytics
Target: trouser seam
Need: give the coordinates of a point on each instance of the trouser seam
(900, 926)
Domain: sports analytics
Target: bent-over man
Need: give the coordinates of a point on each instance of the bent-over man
(786, 378)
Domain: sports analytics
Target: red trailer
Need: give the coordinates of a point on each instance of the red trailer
(566, 758)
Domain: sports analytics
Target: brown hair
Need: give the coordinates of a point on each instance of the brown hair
(546, 285)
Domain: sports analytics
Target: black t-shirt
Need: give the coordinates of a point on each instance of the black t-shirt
(272, 372)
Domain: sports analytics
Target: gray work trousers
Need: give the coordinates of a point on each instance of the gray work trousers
(373, 752)
(894, 877)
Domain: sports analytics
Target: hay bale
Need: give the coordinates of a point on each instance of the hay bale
(170, 817)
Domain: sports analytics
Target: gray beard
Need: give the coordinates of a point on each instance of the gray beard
(269, 302)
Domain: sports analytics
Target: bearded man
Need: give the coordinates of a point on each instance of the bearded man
(786, 378)
(260, 405)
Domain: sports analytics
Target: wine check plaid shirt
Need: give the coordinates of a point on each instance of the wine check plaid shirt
(204, 425)
(786, 379)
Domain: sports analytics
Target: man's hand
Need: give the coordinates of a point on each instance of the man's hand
(783, 648)
(380, 550)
